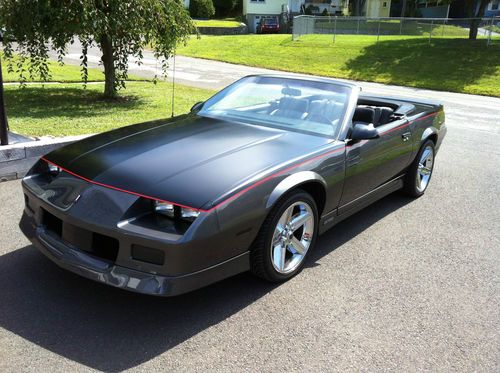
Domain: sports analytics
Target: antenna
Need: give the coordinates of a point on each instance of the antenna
(173, 86)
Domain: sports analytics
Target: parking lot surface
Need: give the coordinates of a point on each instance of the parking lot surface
(404, 285)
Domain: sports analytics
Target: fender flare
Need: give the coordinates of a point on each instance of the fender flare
(291, 182)
(428, 132)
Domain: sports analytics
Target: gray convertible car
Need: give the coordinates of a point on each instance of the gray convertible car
(246, 181)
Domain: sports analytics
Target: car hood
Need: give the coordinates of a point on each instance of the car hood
(190, 160)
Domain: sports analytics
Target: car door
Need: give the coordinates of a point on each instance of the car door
(371, 163)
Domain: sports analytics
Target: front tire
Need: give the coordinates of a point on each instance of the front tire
(420, 171)
(287, 236)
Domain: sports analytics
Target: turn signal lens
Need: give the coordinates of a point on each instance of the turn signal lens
(164, 208)
(189, 214)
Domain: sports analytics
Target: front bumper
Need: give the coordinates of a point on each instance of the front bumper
(86, 265)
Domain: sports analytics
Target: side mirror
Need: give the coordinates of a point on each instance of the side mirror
(197, 106)
(364, 131)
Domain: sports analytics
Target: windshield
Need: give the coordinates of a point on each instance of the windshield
(270, 21)
(288, 103)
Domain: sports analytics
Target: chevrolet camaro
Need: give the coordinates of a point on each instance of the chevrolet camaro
(246, 181)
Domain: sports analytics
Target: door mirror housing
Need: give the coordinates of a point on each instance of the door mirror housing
(197, 106)
(364, 131)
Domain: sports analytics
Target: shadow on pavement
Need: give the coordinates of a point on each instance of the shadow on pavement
(110, 329)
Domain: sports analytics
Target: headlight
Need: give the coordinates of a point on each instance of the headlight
(53, 169)
(165, 208)
(175, 212)
(189, 214)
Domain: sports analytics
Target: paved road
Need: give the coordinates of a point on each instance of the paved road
(405, 285)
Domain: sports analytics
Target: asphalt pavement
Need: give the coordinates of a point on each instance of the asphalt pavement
(405, 285)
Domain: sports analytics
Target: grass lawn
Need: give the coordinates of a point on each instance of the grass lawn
(448, 64)
(70, 109)
(66, 73)
(216, 23)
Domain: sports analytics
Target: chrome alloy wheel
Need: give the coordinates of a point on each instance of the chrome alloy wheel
(292, 237)
(424, 170)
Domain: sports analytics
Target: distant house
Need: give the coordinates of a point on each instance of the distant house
(493, 9)
(377, 8)
(455, 9)
(255, 10)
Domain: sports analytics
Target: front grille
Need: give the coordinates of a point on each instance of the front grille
(96, 244)
(52, 223)
(105, 247)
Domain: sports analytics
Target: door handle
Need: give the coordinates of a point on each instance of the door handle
(406, 136)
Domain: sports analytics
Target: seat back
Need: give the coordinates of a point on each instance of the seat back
(291, 107)
(366, 114)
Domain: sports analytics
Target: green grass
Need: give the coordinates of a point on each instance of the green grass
(449, 64)
(70, 109)
(216, 23)
(65, 73)
(493, 28)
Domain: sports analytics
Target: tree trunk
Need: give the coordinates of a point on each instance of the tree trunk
(477, 12)
(4, 134)
(109, 67)
(473, 28)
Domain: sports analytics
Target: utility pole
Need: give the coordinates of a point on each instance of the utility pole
(4, 137)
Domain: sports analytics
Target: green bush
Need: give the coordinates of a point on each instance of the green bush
(325, 12)
(201, 8)
(224, 8)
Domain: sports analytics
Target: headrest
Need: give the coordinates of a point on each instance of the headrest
(294, 104)
(366, 114)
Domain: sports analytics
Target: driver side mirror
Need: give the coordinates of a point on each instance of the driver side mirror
(364, 131)
(197, 106)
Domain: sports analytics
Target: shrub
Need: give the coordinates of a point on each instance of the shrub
(201, 8)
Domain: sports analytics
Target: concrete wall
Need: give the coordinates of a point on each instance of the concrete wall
(17, 159)
(223, 30)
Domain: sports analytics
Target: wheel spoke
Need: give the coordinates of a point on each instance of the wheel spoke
(300, 220)
(286, 217)
(424, 170)
(279, 256)
(298, 246)
(426, 154)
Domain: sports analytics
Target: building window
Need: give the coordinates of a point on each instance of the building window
(494, 4)
(384, 4)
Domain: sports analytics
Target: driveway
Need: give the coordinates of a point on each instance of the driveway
(405, 285)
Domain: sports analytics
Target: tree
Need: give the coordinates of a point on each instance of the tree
(357, 7)
(120, 28)
(223, 8)
(201, 8)
(476, 10)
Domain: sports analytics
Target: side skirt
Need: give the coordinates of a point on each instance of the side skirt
(343, 212)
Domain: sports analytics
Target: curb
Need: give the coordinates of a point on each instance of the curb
(17, 159)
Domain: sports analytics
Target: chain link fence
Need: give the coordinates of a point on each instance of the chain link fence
(430, 28)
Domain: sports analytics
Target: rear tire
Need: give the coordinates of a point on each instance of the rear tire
(420, 171)
(286, 237)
